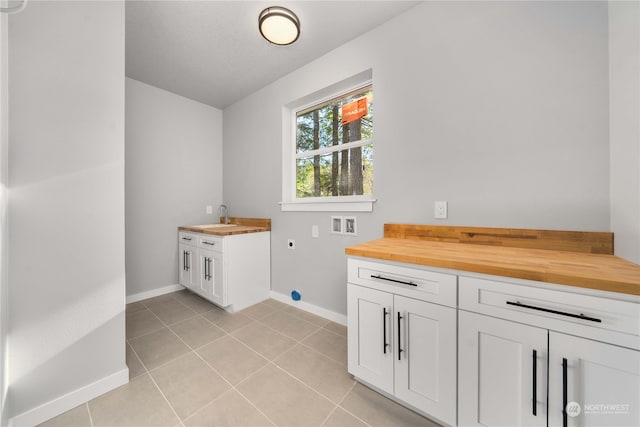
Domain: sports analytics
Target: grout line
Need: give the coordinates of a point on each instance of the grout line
(89, 411)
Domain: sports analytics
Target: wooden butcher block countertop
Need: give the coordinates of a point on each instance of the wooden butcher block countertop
(235, 226)
(582, 259)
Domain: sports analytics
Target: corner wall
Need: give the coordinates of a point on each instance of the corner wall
(173, 168)
(499, 108)
(4, 225)
(66, 204)
(624, 78)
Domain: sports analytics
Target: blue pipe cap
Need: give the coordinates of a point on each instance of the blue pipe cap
(295, 295)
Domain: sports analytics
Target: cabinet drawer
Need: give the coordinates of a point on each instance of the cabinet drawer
(402, 279)
(188, 238)
(600, 318)
(211, 243)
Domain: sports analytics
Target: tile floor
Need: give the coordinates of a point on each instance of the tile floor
(193, 364)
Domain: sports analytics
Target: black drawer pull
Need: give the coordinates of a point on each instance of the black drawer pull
(208, 243)
(394, 280)
(186, 238)
(548, 310)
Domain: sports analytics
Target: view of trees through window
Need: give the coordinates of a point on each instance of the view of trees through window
(334, 147)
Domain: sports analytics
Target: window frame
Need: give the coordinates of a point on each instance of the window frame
(290, 201)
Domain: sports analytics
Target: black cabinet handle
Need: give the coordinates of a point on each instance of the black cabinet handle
(548, 310)
(188, 261)
(209, 262)
(385, 344)
(208, 243)
(564, 392)
(186, 238)
(206, 268)
(535, 383)
(393, 280)
(399, 340)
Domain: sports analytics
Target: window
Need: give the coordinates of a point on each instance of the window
(334, 147)
(331, 153)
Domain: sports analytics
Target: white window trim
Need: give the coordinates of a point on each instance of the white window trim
(290, 203)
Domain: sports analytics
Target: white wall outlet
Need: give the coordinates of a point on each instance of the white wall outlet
(209, 209)
(440, 210)
(337, 224)
(291, 244)
(314, 231)
(350, 225)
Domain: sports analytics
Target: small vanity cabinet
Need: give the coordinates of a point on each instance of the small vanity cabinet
(232, 271)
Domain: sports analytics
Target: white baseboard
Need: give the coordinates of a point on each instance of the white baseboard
(311, 308)
(70, 400)
(153, 293)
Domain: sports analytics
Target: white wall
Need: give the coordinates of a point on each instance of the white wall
(66, 205)
(624, 56)
(4, 226)
(500, 108)
(173, 170)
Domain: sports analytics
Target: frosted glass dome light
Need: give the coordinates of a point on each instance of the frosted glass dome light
(279, 25)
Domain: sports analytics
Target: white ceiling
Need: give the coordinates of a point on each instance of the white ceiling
(212, 51)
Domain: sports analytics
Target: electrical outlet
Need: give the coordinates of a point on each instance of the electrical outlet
(314, 231)
(291, 244)
(440, 210)
(350, 225)
(209, 209)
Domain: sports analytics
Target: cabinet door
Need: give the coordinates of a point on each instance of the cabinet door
(211, 279)
(188, 266)
(425, 357)
(497, 372)
(602, 379)
(370, 346)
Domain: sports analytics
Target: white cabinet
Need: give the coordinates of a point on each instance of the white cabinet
(603, 379)
(500, 382)
(398, 341)
(502, 372)
(231, 271)
(188, 260)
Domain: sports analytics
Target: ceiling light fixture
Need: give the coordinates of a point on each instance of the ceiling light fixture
(279, 25)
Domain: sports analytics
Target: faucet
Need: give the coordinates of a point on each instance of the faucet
(226, 213)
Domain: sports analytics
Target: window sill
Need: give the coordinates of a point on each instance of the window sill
(328, 206)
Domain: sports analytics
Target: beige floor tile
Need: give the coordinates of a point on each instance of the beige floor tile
(197, 331)
(158, 348)
(309, 317)
(328, 343)
(280, 306)
(230, 410)
(264, 340)
(378, 411)
(171, 312)
(138, 403)
(133, 363)
(289, 325)
(142, 322)
(336, 328)
(134, 307)
(324, 375)
(285, 400)
(159, 299)
(76, 417)
(341, 418)
(194, 302)
(232, 359)
(258, 311)
(189, 384)
(228, 321)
